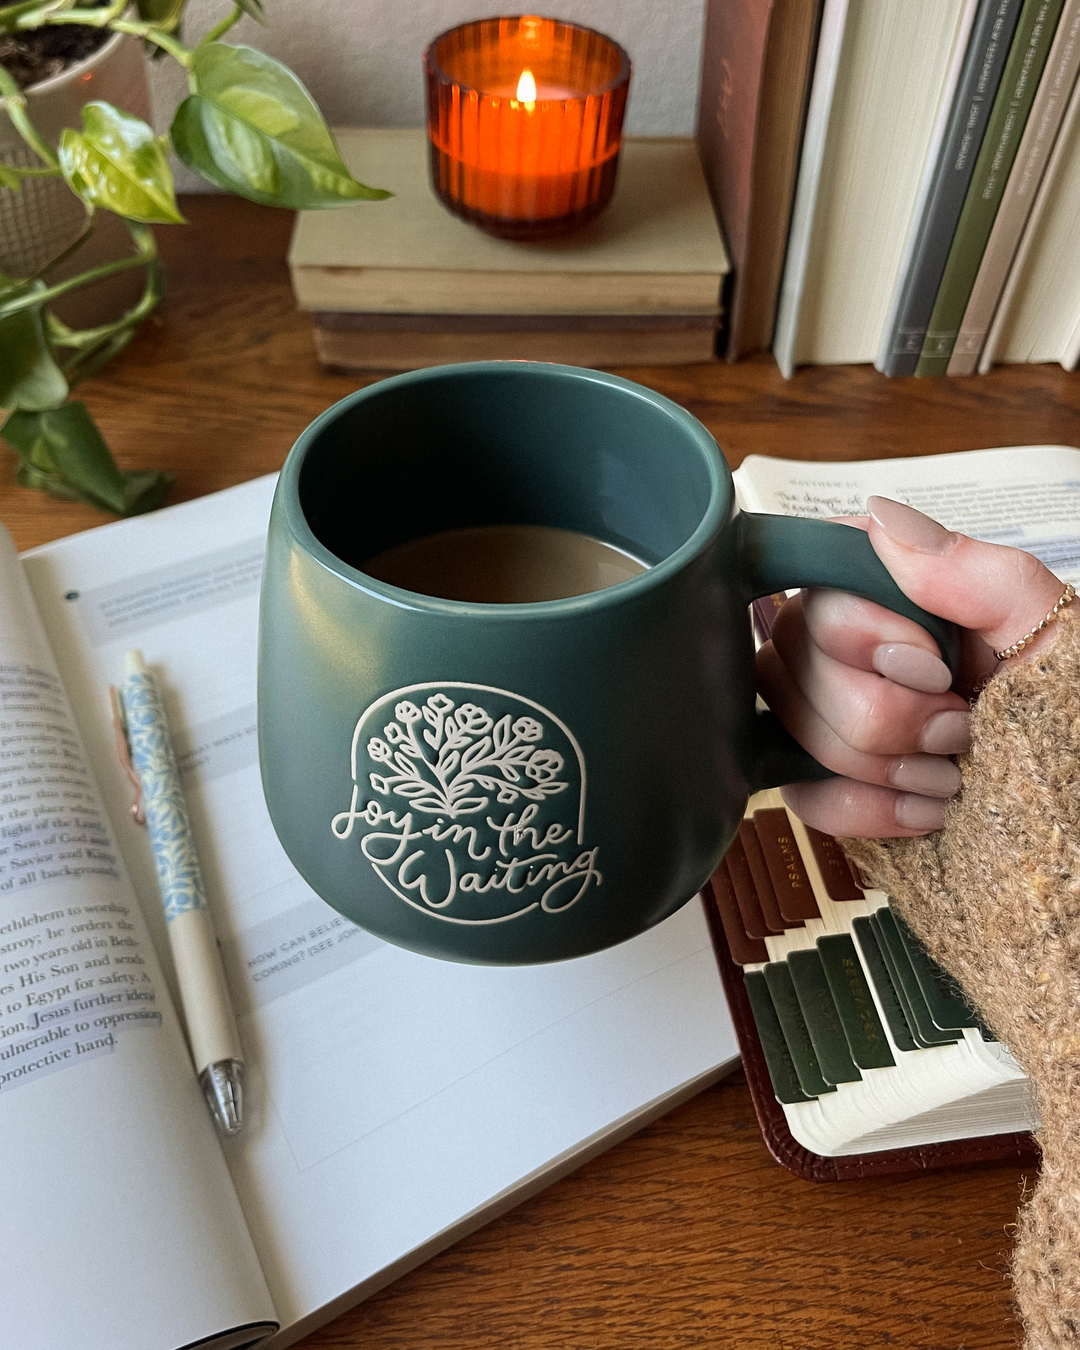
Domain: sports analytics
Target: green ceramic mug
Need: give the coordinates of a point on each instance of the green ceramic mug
(523, 782)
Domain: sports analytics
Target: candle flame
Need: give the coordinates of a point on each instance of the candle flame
(526, 88)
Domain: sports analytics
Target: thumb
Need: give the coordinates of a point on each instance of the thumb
(1001, 593)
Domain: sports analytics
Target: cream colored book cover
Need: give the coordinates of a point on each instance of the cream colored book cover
(657, 248)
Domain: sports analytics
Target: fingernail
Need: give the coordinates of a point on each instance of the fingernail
(919, 813)
(932, 775)
(946, 733)
(912, 666)
(910, 527)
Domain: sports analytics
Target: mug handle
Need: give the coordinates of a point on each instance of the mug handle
(777, 553)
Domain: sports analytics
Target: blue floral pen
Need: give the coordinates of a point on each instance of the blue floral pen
(211, 1025)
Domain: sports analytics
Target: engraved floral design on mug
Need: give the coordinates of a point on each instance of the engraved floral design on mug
(470, 809)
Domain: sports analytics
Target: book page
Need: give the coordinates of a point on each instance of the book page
(1026, 496)
(120, 1227)
(393, 1100)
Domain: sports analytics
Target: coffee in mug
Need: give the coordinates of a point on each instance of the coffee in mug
(504, 564)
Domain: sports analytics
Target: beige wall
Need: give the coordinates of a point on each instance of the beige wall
(361, 58)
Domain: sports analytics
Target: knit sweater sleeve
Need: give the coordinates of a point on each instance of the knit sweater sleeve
(995, 896)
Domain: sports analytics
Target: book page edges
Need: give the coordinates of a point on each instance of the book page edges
(569, 1161)
(431, 291)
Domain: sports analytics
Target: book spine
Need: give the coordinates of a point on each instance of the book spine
(734, 46)
(818, 114)
(1023, 267)
(1027, 172)
(785, 93)
(1023, 70)
(978, 84)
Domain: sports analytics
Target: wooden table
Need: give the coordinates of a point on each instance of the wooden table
(687, 1234)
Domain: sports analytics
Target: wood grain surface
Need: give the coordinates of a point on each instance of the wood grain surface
(687, 1234)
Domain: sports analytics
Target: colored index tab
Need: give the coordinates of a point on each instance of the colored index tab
(785, 1081)
(883, 986)
(794, 894)
(745, 950)
(801, 1047)
(866, 1037)
(923, 1027)
(746, 892)
(944, 997)
(755, 860)
(835, 869)
(822, 1018)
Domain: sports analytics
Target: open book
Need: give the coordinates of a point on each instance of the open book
(393, 1102)
(869, 1046)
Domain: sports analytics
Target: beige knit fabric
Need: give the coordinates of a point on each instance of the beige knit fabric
(995, 896)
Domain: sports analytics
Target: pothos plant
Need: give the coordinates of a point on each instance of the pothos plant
(248, 125)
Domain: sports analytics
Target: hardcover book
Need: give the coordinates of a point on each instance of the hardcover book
(656, 249)
(757, 58)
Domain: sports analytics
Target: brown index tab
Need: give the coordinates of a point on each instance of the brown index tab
(755, 860)
(794, 894)
(835, 869)
(742, 881)
(745, 950)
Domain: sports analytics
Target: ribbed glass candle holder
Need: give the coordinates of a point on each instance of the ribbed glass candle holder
(525, 122)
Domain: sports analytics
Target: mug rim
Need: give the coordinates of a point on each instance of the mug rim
(721, 499)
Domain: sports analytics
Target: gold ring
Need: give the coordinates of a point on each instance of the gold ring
(1067, 597)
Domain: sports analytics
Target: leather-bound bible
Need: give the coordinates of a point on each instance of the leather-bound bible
(862, 1056)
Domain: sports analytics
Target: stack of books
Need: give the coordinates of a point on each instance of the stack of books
(403, 283)
(899, 180)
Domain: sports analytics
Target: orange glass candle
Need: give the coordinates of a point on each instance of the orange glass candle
(525, 122)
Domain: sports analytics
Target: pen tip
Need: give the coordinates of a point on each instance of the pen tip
(223, 1086)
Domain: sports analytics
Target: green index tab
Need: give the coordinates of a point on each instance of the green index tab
(854, 1002)
(1023, 69)
(943, 995)
(923, 1026)
(803, 1055)
(882, 981)
(822, 1018)
(785, 1081)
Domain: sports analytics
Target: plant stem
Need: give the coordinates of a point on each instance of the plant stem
(15, 107)
(147, 252)
(176, 49)
(33, 173)
(220, 29)
(101, 17)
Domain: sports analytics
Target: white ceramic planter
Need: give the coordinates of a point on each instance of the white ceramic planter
(44, 216)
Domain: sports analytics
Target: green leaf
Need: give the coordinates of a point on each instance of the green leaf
(251, 127)
(29, 377)
(117, 162)
(61, 451)
(255, 9)
(9, 178)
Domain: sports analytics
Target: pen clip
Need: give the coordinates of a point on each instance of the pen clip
(123, 751)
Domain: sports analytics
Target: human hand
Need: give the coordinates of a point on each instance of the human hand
(866, 692)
